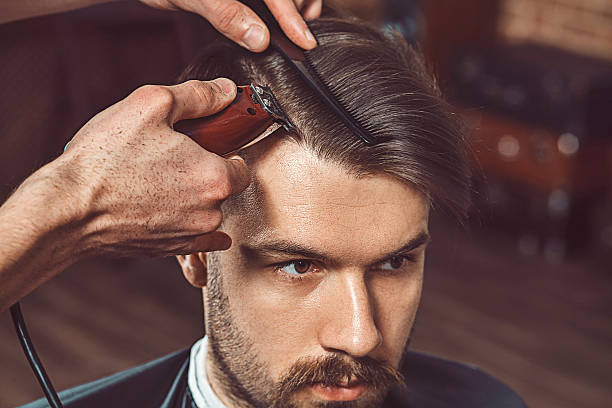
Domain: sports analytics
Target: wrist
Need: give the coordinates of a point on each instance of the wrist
(40, 234)
(54, 204)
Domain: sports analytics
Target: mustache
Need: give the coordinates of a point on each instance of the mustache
(335, 370)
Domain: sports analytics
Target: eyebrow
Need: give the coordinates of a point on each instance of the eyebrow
(289, 248)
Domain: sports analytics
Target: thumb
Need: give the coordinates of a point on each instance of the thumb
(194, 99)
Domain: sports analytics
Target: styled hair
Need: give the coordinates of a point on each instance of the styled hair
(383, 82)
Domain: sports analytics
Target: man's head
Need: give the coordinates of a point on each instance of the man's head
(314, 302)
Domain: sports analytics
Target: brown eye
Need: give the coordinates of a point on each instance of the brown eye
(397, 262)
(302, 266)
(394, 263)
(297, 267)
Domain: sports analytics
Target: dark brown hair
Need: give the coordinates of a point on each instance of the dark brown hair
(384, 83)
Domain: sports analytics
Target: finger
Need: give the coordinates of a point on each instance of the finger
(292, 23)
(239, 174)
(237, 22)
(194, 99)
(213, 241)
(312, 9)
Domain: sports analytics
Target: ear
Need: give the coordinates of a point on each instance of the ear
(194, 268)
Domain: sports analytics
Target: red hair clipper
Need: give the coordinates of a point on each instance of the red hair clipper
(252, 116)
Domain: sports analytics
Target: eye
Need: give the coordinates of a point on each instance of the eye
(296, 268)
(394, 263)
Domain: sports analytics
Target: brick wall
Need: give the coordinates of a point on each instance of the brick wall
(582, 26)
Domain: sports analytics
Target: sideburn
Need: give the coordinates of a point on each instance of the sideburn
(234, 364)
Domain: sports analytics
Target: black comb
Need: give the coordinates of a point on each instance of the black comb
(297, 58)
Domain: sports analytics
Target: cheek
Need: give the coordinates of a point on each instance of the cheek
(395, 305)
(277, 319)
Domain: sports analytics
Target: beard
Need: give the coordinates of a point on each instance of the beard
(245, 380)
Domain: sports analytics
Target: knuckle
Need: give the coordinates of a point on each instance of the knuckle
(227, 16)
(218, 183)
(213, 220)
(223, 188)
(156, 96)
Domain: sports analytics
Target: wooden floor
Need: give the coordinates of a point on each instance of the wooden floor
(546, 330)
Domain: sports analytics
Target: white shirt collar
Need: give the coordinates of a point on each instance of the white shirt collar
(202, 393)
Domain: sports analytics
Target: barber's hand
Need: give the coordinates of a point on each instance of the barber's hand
(240, 24)
(145, 189)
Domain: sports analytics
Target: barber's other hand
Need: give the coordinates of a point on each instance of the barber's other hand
(240, 24)
(144, 189)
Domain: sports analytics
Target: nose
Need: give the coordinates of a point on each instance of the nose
(348, 323)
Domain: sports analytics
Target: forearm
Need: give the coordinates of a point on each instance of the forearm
(39, 235)
(12, 10)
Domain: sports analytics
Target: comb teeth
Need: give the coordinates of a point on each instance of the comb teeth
(331, 99)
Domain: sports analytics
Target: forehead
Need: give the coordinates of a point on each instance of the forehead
(318, 203)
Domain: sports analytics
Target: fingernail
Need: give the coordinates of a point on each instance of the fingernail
(310, 38)
(221, 242)
(226, 85)
(255, 37)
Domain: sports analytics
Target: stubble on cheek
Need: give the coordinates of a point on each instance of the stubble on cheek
(234, 364)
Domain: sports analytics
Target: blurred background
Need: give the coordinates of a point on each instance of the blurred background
(523, 292)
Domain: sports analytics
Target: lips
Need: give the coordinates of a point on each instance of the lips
(339, 392)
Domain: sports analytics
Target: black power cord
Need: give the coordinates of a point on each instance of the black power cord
(28, 349)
